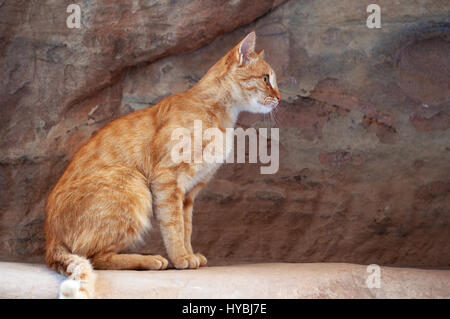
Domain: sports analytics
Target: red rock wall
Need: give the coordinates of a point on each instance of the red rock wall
(364, 123)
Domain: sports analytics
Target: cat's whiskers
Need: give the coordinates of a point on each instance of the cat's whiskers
(272, 115)
(266, 121)
(275, 116)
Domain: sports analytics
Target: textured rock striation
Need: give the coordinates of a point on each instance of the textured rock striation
(364, 123)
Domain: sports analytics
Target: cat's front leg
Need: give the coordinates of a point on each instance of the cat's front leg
(187, 214)
(168, 205)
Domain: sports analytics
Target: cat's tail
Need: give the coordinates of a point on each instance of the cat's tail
(81, 281)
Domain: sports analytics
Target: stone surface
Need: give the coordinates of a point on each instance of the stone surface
(254, 281)
(364, 122)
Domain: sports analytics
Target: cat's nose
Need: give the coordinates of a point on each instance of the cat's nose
(278, 95)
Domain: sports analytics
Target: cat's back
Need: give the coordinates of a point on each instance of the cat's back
(119, 143)
(127, 140)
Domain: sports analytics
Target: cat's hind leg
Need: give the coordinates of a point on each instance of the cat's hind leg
(118, 211)
(114, 261)
(119, 214)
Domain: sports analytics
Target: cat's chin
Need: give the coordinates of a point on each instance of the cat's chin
(261, 108)
(268, 108)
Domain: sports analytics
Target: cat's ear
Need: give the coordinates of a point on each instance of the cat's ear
(245, 47)
(261, 53)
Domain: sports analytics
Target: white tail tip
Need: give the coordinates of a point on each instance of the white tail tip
(70, 289)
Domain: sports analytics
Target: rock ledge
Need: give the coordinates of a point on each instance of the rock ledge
(277, 280)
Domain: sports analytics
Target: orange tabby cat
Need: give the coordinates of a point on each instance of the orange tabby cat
(103, 202)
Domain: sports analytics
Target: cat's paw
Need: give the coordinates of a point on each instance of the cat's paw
(202, 259)
(159, 262)
(191, 261)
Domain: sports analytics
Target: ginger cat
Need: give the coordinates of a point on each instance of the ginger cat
(103, 202)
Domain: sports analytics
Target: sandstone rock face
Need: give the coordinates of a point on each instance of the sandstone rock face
(364, 121)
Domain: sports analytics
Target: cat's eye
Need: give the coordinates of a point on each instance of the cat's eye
(266, 79)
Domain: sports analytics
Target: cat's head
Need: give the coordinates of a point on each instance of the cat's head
(255, 83)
